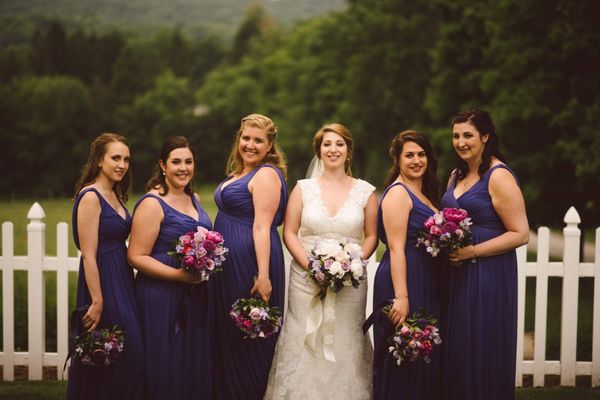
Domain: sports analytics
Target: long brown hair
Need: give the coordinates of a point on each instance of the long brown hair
(275, 157)
(431, 183)
(344, 133)
(91, 169)
(482, 121)
(157, 180)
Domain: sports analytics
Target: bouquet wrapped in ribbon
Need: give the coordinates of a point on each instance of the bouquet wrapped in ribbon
(100, 347)
(414, 339)
(334, 265)
(200, 252)
(255, 317)
(449, 228)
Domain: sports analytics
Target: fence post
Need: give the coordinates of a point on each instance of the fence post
(570, 293)
(62, 296)
(36, 249)
(8, 301)
(596, 320)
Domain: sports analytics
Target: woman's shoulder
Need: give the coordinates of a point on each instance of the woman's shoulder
(364, 186)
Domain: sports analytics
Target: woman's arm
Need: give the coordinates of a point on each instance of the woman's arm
(370, 227)
(291, 226)
(88, 223)
(508, 202)
(144, 231)
(265, 187)
(396, 208)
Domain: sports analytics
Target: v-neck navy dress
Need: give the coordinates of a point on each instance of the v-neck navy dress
(125, 378)
(177, 318)
(243, 365)
(480, 339)
(411, 380)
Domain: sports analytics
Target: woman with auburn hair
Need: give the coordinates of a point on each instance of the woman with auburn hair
(322, 352)
(101, 224)
(406, 274)
(176, 308)
(480, 335)
(251, 202)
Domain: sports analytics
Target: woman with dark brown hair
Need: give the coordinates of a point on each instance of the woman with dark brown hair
(101, 224)
(176, 309)
(406, 274)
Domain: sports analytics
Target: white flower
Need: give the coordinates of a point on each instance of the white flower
(328, 249)
(336, 269)
(438, 218)
(353, 249)
(357, 269)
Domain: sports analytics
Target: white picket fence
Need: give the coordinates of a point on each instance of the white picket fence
(570, 269)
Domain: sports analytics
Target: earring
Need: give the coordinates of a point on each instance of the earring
(164, 173)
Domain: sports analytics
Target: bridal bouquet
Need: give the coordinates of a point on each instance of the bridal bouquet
(414, 339)
(200, 252)
(449, 228)
(100, 347)
(334, 265)
(255, 317)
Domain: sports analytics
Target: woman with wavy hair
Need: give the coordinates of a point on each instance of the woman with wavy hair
(251, 201)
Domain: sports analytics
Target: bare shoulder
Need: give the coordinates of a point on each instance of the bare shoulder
(397, 195)
(502, 176)
(89, 200)
(266, 178)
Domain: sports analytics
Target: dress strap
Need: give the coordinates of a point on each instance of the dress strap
(504, 166)
(160, 201)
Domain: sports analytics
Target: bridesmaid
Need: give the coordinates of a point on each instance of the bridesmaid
(251, 205)
(406, 273)
(176, 311)
(101, 224)
(481, 334)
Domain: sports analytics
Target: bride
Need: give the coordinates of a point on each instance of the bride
(321, 352)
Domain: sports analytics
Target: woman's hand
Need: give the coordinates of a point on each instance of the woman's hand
(188, 277)
(462, 254)
(399, 310)
(262, 286)
(91, 319)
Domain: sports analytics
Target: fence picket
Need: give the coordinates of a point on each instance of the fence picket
(596, 317)
(8, 301)
(541, 306)
(62, 296)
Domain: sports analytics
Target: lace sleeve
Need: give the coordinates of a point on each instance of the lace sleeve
(306, 189)
(363, 191)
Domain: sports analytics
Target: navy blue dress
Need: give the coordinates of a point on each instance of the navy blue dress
(481, 323)
(177, 318)
(125, 378)
(243, 364)
(411, 380)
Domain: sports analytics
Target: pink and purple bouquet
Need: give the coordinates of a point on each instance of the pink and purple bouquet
(414, 339)
(200, 252)
(255, 317)
(449, 228)
(100, 347)
(334, 265)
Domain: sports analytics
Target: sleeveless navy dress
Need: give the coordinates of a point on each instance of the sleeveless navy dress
(480, 338)
(125, 378)
(411, 380)
(177, 318)
(243, 365)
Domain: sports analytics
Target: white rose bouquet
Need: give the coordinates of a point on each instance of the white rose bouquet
(334, 265)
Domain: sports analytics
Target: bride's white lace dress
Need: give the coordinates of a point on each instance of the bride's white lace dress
(298, 373)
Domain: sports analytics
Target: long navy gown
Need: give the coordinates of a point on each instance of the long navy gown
(481, 323)
(415, 380)
(125, 378)
(177, 318)
(243, 364)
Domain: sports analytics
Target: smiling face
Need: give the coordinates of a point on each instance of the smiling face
(412, 161)
(115, 163)
(333, 150)
(179, 168)
(253, 146)
(468, 141)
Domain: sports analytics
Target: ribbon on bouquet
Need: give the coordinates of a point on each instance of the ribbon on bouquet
(320, 327)
(369, 321)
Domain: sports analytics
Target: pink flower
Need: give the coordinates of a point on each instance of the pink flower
(450, 227)
(454, 214)
(429, 222)
(188, 261)
(255, 314)
(186, 240)
(209, 246)
(436, 230)
(210, 264)
(214, 237)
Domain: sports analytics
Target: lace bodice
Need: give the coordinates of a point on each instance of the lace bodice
(318, 223)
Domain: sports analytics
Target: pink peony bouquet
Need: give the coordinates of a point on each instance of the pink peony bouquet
(449, 228)
(255, 317)
(334, 265)
(200, 252)
(414, 339)
(100, 347)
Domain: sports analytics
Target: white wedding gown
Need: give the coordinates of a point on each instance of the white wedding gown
(297, 372)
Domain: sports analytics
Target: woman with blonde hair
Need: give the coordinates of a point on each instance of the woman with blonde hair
(251, 201)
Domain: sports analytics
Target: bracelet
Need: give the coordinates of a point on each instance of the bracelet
(401, 296)
(474, 259)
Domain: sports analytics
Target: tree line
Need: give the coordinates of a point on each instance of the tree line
(379, 67)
